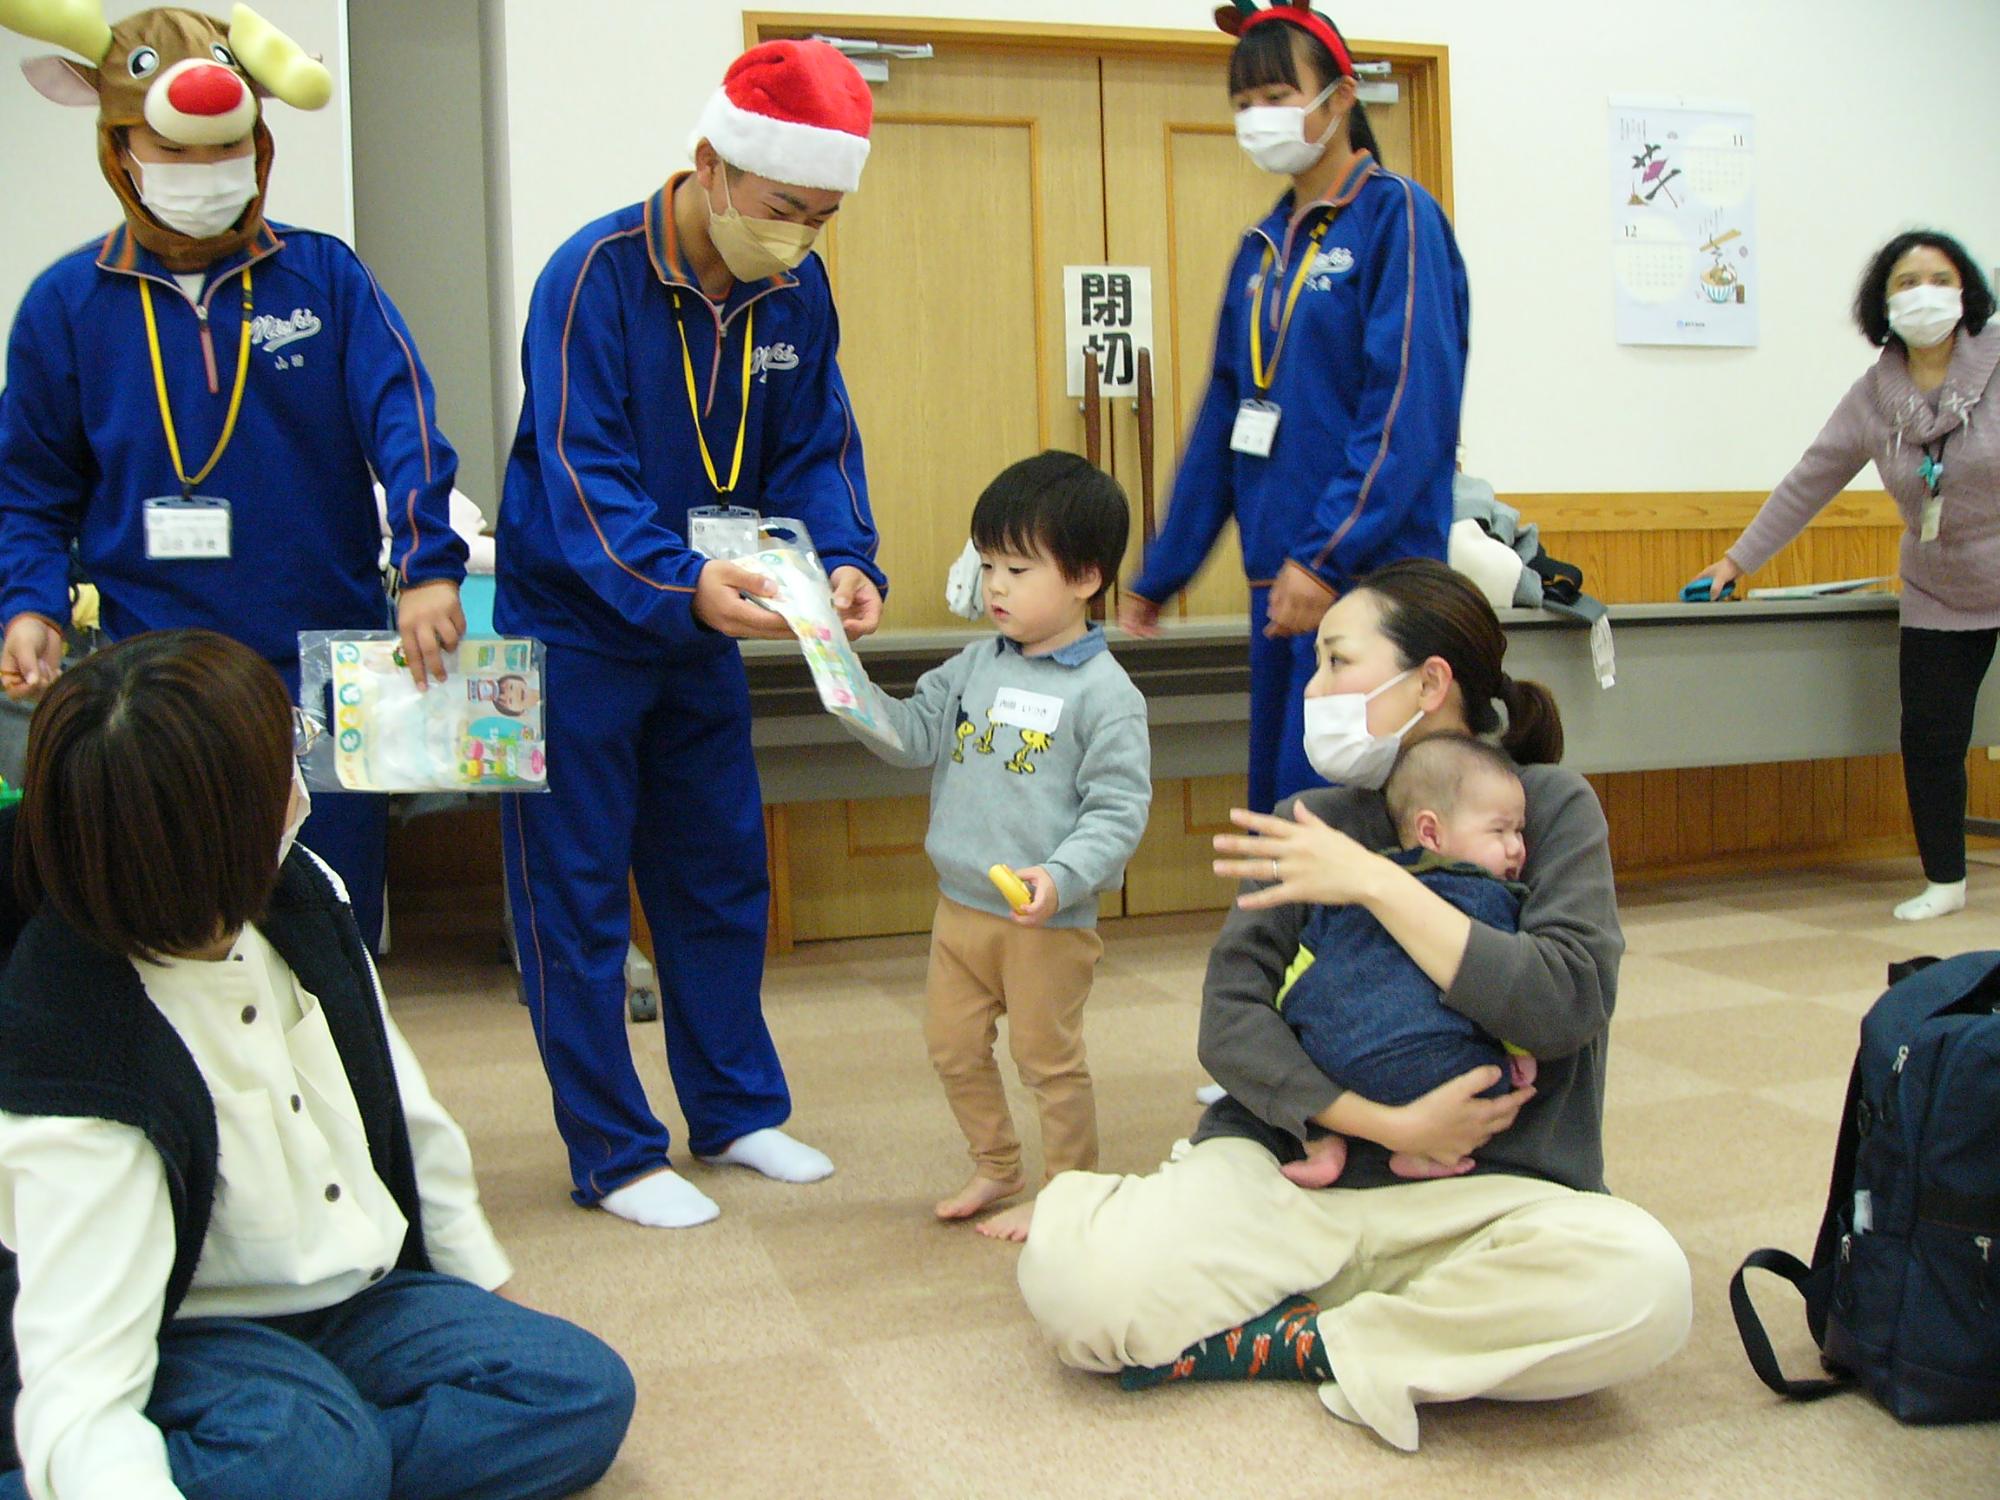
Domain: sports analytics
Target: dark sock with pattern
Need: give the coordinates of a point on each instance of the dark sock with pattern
(1283, 1344)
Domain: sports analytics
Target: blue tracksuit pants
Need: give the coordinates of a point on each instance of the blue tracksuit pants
(1279, 672)
(649, 771)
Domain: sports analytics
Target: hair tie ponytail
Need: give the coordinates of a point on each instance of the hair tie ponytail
(1534, 725)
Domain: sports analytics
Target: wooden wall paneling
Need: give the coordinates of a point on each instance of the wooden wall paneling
(1171, 871)
(1795, 805)
(1729, 811)
(857, 869)
(1829, 800)
(1694, 795)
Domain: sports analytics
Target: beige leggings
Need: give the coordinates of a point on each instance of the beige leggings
(982, 967)
(1496, 1286)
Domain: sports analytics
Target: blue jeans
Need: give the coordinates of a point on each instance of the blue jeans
(420, 1388)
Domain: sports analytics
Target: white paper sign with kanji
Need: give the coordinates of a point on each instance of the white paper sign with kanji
(1107, 316)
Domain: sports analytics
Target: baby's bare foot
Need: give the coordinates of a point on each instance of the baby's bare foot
(1010, 1224)
(1326, 1159)
(979, 1193)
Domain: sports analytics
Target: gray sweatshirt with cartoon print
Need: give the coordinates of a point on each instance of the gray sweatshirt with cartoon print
(1041, 760)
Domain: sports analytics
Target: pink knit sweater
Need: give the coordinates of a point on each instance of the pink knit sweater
(1952, 583)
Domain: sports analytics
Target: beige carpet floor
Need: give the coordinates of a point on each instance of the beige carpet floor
(833, 1340)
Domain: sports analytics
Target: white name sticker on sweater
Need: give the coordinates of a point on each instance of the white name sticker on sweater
(1025, 710)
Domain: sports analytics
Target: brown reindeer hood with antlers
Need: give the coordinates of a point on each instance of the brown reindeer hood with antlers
(189, 77)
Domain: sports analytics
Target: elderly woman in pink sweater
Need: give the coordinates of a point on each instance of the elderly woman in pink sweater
(1917, 414)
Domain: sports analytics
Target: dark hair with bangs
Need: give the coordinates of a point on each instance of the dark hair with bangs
(1059, 504)
(1871, 298)
(159, 774)
(1272, 53)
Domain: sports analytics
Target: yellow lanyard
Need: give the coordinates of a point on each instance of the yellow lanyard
(160, 387)
(694, 398)
(1307, 256)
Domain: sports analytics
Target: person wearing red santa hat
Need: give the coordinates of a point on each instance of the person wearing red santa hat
(680, 353)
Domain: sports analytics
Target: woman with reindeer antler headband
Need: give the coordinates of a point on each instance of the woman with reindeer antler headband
(201, 402)
(1330, 428)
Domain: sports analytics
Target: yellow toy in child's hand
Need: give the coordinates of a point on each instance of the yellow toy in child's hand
(1012, 886)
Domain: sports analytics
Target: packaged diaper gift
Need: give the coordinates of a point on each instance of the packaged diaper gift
(782, 550)
(480, 730)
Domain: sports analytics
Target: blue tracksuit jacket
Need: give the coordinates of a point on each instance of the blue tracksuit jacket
(607, 460)
(334, 390)
(1369, 384)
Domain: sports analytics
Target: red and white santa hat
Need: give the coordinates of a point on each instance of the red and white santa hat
(795, 112)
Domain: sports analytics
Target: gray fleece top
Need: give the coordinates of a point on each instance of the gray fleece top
(1953, 582)
(1548, 988)
(1041, 760)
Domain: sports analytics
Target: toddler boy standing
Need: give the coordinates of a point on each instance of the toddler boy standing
(1044, 766)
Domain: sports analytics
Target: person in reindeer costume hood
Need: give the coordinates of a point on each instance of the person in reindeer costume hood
(199, 403)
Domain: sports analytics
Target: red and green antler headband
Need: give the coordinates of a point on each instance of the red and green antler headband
(1243, 16)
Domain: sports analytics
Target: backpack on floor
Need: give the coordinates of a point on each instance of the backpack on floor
(1903, 1294)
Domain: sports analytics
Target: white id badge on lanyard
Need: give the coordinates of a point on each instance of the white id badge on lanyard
(1256, 428)
(192, 528)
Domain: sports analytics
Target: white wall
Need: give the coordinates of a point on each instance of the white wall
(1870, 119)
(57, 199)
(420, 204)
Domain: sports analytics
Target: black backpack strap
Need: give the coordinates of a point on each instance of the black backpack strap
(1757, 1343)
(1839, 1202)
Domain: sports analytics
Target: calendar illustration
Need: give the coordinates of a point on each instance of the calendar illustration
(1684, 233)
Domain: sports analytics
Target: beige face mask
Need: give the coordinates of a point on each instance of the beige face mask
(756, 248)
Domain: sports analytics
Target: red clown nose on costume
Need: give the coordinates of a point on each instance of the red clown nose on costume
(795, 112)
(205, 90)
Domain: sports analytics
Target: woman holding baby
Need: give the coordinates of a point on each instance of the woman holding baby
(1518, 1277)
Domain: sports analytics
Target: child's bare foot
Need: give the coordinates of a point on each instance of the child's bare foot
(1521, 1070)
(1403, 1164)
(980, 1192)
(1326, 1159)
(1009, 1224)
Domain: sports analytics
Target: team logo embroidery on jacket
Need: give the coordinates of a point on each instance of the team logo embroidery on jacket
(768, 357)
(1328, 264)
(273, 333)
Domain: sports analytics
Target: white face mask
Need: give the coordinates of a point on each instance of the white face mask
(1925, 315)
(1338, 744)
(1274, 135)
(301, 810)
(200, 199)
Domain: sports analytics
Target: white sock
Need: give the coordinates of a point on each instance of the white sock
(776, 1155)
(1208, 1093)
(1936, 901)
(665, 1200)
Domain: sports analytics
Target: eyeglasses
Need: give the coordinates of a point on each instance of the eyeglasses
(305, 732)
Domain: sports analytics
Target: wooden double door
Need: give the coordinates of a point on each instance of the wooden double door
(997, 162)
